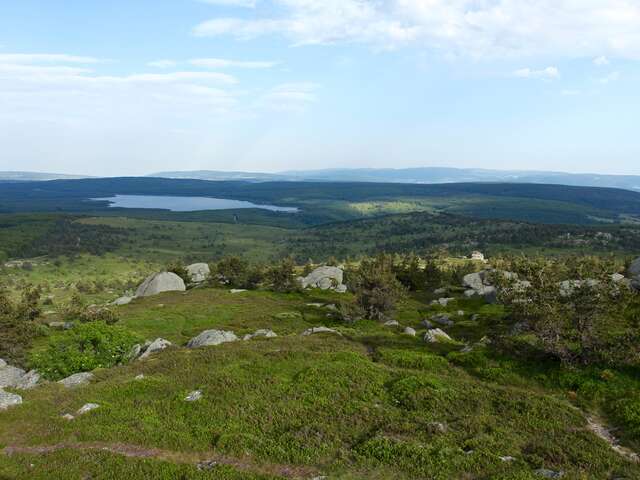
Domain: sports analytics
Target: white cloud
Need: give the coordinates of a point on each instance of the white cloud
(226, 63)
(162, 64)
(548, 73)
(231, 3)
(477, 28)
(601, 61)
(291, 96)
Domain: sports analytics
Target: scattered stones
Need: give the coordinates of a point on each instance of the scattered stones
(76, 379)
(436, 335)
(193, 396)
(314, 330)
(9, 399)
(157, 345)
(324, 278)
(199, 272)
(237, 290)
(409, 331)
(160, 282)
(391, 323)
(260, 333)
(87, 407)
(545, 473)
(211, 338)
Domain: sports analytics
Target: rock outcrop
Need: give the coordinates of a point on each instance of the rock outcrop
(212, 338)
(260, 333)
(157, 345)
(325, 278)
(199, 272)
(160, 282)
(315, 330)
(14, 377)
(478, 284)
(9, 399)
(124, 300)
(436, 335)
(76, 379)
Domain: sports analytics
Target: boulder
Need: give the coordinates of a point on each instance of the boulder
(160, 282)
(475, 281)
(9, 399)
(436, 335)
(410, 331)
(314, 330)
(391, 323)
(199, 272)
(211, 338)
(134, 353)
(260, 333)
(76, 379)
(324, 278)
(29, 380)
(193, 396)
(567, 287)
(634, 268)
(238, 290)
(10, 376)
(341, 288)
(426, 323)
(125, 300)
(87, 407)
(443, 319)
(546, 473)
(157, 345)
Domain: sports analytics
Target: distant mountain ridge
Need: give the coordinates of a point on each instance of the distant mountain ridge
(426, 175)
(11, 176)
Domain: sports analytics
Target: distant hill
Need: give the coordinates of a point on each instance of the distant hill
(419, 175)
(36, 176)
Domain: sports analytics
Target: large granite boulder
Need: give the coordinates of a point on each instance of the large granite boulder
(160, 282)
(324, 278)
(212, 337)
(199, 272)
(9, 399)
(436, 335)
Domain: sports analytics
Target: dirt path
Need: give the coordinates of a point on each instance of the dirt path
(203, 461)
(599, 429)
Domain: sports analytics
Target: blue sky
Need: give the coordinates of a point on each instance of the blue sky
(132, 87)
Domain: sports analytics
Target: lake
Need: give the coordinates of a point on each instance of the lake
(186, 204)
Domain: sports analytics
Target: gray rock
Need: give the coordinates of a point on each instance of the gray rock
(56, 325)
(634, 268)
(125, 300)
(2, 363)
(199, 272)
(87, 407)
(391, 323)
(324, 278)
(410, 331)
(211, 338)
(193, 396)
(568, 287)
(260, 333)
(10, 376)
(68, 417)
(135, 352)
(545, 473)
(315, 330)
(440, 291)
(470, 293)
(157, 345)
(435, 335)
(508, 459)
(160, 282)
(238, 290)
(341, 288)
(76, 379)
(9, 399)
(139, 377)
(437, 427)
(29, 380)
(427, 324)
(460, 313)
(443, 319)
(475, 281)
(445, 301)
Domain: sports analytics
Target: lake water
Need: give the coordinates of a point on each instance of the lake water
(186, 204)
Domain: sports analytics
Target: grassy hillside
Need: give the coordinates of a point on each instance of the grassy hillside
(373, 403)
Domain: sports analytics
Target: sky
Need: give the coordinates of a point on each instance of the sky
(124, 87)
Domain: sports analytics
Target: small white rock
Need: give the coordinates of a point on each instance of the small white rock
(193, 396)
(87, 407)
